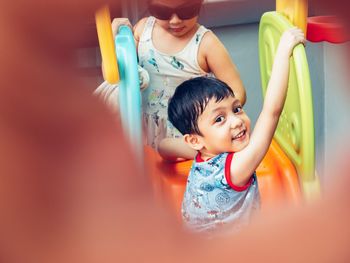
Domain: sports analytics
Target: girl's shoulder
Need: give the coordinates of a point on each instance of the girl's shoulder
(139, 27)
(209, 41)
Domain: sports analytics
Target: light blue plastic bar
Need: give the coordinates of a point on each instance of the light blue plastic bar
(129, 88)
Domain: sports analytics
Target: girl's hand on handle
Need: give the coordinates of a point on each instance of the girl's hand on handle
(117, 22)
(289, 39)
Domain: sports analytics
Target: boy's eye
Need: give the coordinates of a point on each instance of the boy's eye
(219, 119)
(237, 109)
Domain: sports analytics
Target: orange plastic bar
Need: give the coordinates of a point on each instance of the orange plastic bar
(277, 178)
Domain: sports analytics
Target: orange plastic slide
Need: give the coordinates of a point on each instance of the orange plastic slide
(277, 178)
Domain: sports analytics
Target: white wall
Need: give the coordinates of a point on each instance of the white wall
(337, 108)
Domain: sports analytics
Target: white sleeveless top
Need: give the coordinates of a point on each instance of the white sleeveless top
(166, 72)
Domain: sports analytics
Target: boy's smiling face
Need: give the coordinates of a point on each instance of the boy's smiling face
(225, 127)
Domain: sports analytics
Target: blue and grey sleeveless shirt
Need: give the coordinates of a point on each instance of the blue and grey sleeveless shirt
(211, 199)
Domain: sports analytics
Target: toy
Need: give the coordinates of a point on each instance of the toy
(290, 161)
(129, 84)
(295, 131)
(295, 11)
(107, 48)
(326, 28)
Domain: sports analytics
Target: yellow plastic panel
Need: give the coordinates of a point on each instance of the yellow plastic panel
(295, 10)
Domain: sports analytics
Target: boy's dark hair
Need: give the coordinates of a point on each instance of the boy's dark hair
(190, 99)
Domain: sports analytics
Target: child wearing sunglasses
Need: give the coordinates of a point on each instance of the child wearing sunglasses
(173, 47)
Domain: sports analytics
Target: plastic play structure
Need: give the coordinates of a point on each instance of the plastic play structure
(287, 173)
(326, 28)
(295, 131)
(124, 72)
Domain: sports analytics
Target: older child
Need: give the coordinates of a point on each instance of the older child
(173, 47)
(222, 186)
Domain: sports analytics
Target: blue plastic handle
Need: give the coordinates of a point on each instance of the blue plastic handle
(129, 88)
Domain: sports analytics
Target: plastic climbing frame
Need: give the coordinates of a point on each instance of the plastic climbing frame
(295, 131)
(289, 161)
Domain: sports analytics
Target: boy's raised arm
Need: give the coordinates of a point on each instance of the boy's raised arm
(245, 162)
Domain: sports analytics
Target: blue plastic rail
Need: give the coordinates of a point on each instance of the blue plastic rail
(129, 88)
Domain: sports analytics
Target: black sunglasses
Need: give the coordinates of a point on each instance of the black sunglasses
(183, 12)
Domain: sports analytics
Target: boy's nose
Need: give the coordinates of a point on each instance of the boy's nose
(235, 122)
(174, 19)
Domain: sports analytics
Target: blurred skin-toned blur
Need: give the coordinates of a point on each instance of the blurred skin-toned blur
(69, 189)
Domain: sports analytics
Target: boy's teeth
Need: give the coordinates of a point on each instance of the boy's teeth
(239, 135)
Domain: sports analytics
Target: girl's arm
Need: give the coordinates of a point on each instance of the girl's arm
(218, 61)
(246, 161)
(175, 149)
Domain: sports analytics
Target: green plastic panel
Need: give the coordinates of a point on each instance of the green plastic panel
(295, 131)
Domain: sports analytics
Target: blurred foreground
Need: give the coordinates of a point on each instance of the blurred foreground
(69, 189)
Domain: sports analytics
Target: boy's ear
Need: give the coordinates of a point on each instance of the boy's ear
(194, 141)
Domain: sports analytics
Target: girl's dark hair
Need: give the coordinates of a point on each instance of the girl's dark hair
(191, 98)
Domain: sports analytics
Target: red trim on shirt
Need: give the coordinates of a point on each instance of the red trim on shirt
(199, 158)
(228, 176)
